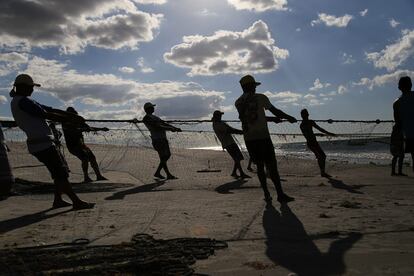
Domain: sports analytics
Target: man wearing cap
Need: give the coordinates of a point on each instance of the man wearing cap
(158, 128)
(251, 108)
(76, 146)
(31, 117)
(224, 133)
(404, 114)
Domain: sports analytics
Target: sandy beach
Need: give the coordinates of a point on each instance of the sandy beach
(359, 222)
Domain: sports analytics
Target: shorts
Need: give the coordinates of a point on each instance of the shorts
(82, 152)
(234, 152)
(317, 150)
(261, 151)
(54, 162)
(409, 145)
(162, 147)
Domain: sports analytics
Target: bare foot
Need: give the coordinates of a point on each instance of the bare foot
(101, 177)
(83, 205)
(60, 204)
(158, 175)
(171, 177)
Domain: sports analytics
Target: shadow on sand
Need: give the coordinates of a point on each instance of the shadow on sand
(290, 246)
(16, 223)
(233, 185)
(23, 187)
(140, 189)
(339, 184)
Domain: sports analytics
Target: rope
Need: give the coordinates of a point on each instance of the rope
(8, 123)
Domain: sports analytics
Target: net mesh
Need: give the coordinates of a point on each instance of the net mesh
(127, 147)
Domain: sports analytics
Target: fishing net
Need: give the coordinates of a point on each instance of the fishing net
(127, 147)
(144, 255)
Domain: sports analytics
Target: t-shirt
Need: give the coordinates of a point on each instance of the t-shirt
(30, 117)
(223, 133)
(406, 112)
(153, 122)
(251, 108)
(307, 130)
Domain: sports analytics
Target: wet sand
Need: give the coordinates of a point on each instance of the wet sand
(359, 222)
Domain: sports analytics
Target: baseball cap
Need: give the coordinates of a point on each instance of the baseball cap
(148, 105)
(248, 79)
(217, 113)
(24, 79)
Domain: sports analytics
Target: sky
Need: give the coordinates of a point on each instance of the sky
(339, 59)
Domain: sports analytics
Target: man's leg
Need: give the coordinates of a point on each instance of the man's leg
(238, 166)
(158, 171)
(393, 165)
(63, 185)
(95, 166)
(412, 160)
(234, 172)
(167, 171)
(262, 178)
(85, 168)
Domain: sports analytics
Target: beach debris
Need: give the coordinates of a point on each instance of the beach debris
(350, 204)
(323, 215)
(144, 255)
(257, 265)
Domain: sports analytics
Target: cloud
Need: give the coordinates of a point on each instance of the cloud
(395, 54)
(3, 99)
(259, 5)
(157, 2)
(173, 99)
(11, 61)
(342, 89)
(207, 12)
(347, 59)
(225, 52)
(394, 23)
(318, 85)
(143, 67)
(363, 13)
(381, 80)
(126, 70)
(73, 25)
(296, 99)
(332, 21)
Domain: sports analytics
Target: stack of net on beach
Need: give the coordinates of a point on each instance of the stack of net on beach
(126, 147)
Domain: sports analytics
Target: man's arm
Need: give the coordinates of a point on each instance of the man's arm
(322, 130)
(396, 108)
(281, 115)
(275, 120)
(49, 113)
(233, 130)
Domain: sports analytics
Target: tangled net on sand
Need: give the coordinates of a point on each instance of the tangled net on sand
(144, 255)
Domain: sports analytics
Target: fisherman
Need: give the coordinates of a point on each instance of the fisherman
(31, 117)
(224, 133)
(76, 146)
(158, 128)
(307, 130)
(251, 107)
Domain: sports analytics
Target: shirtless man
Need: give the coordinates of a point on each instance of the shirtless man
(307, 129)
